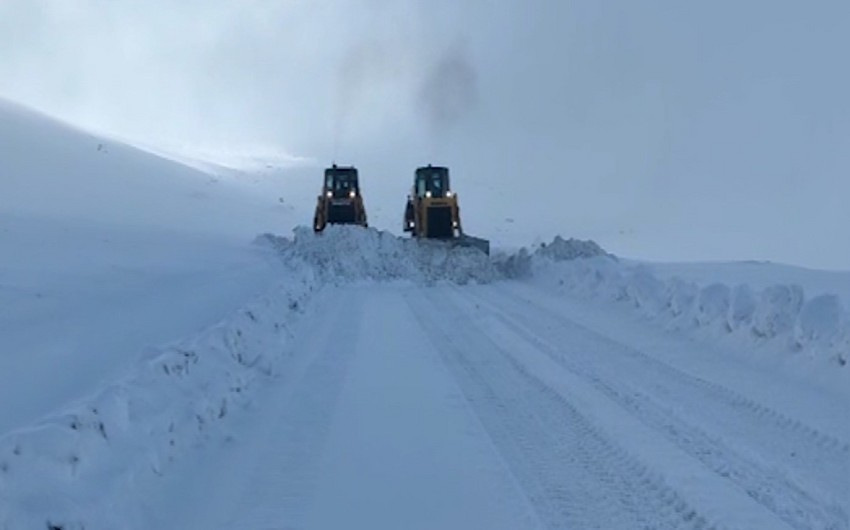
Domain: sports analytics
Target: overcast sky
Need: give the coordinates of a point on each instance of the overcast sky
(664, 129)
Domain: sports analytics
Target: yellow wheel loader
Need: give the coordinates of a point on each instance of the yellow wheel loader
(432, 210)
(340, 201)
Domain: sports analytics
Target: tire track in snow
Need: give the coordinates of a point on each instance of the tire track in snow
(767, 485)
(574, 475)
(783, 423)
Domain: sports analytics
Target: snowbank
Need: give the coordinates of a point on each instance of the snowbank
(779, 314)
(561, 249)
(62, 472)
(519, 264)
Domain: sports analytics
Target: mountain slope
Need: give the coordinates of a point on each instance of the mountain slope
(105, 250)
(51, 169)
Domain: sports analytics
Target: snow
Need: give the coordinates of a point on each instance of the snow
(683, 474)
(561, 249)
(741, 422)
(758, 275)
(345, 253)
(168, 368)
(340, 454)
(78, 302)
(106, 250)
(109, 254)
(138, 424)
(778, 316)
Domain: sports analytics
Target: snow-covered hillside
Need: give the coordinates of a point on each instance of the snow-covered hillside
(163, 365)
(52, 170)
(106, 250)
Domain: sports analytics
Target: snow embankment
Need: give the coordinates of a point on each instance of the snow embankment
(63, 471)
(780, 314)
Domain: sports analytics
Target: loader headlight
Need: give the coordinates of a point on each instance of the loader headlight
(454, 224)
(351, 194)
(410, 224)
(449, 194)
(330, 194)
(428, 194)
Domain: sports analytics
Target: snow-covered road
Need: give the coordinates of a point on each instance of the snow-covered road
(440, 406)
(158, 371)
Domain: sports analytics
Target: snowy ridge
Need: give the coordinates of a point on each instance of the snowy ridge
(171, 402)
(818, 327)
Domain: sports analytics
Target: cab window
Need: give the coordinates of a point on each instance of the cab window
(420, 187)
(345, 183)
(437, 185)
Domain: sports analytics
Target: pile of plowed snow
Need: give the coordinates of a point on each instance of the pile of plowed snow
(346, 253)
(780, 314)
(519, 264)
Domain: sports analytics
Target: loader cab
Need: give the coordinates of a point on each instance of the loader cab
(340, 201)
(341, 182)
(432, 182)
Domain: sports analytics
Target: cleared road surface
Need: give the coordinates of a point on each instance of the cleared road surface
(492, 407)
